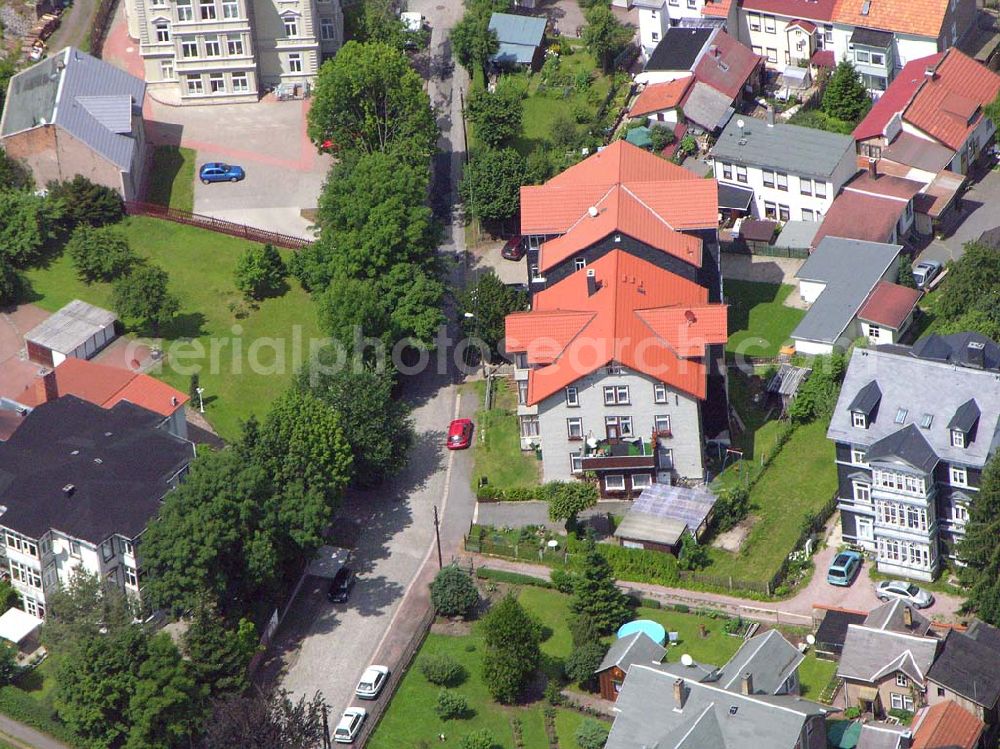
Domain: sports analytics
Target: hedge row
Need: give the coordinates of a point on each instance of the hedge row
(543, 493)
(514, 578)
(17, 704)
(639, 565)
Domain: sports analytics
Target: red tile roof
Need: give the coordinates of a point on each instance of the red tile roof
(853, 215)
(823, 58)
(807, 26)
(679, 197)
(896, 97)
(918, 17)
(729, 68)
(640, 316)
(889, 305)
(814, 10)
(716, 8)
(949, 106)
(620, 210)
(885, 185)
(947, 725)
(658, 97)
(105, 386)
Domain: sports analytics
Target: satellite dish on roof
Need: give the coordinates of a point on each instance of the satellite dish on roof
(687, 660)
(811, 639)
(740, 124)
(592, 211)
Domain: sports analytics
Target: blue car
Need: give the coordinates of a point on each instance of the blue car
(218, 172)
(843, 568)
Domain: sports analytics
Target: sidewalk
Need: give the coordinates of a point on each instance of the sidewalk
(26, 737)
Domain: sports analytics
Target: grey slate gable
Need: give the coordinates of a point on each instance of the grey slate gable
(635, 648)
(787, 148)
(769, 658)
(970, 667)
(922, 387)
(965, 417)
(866, 399)
(907, 445)
(870, 655)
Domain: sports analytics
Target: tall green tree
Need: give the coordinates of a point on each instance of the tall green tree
(220, 654)
(512, 649)
(489, 300)
(374, 21)
(491, 184)
(845, 96)
(979, 550)
(368, 98)
(595, 594)
(13, 174)
(498, 115)
(142, 298)
(604, 35)
(168, 705)
(87, 202)
(972, 283)
(260, 272)
(375, 422)
(473, 41)
(84, 608)
(100, 254)
(95, 683)
(267, 721)
(27, 223)
(11, 282)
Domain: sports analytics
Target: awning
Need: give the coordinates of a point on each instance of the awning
(868, 694)
(734, 197)
(17, 625)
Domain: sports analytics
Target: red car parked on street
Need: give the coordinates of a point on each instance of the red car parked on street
(460, 434)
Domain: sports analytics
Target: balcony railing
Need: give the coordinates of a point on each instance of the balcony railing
(622, 453)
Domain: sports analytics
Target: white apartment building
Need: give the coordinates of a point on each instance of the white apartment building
(83, 483)
(795, 172)
(207, 51)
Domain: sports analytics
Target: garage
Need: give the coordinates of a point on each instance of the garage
(78, 330)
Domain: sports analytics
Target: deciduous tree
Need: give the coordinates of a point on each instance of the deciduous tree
(142, 299)
(260, 272)
(489, 300)
(220, 654)
(979, 551)
(583, 661)
(83, 608)
(497, 116)
(101, 254)
(267, 721)
(604, 35)
(27, 223)
(473, 41)
(491, 184)
(87, 202)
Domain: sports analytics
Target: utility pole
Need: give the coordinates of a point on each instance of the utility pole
(326, 728)
(437, 534)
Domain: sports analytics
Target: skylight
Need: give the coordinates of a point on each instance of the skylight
(901, 415)
(865, 7)
(925, 421)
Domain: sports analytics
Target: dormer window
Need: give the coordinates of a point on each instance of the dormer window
(859, 420)
(958, 438)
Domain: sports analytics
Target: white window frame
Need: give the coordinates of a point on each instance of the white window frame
(861, 55)
(727, 172)
(769, 25)
(859, 456)
(75, 549)
(959, 514)
(661, 423)
(189, 44)
(576, 462)
(616, 395)
(213, 47)
(185, 10)
(131, 576)
(770, 209)
(862, 492)
(195, 85)
(782, 181)
(574, 428)
(958, 476)
(234, 46)
(808, 214)
(957, 438)
(819, 189)
(784, 213)
(533, 427)
(241, 82)
(805, 186)
(206, 10)
(741, 173)
(618, 478)
(901, 680)
(659, 393)
(572, 396)
(859, 420)
(613, 369)
(216, 83)
(641, 480)
(753, 20)
(767, 177)
(522, 392)
(162, 31)
(623, 423)
(127, 547)
(579, 263)
(294, 62)
(230, 9)
(878, 58)
(167, 70)
(291, 26)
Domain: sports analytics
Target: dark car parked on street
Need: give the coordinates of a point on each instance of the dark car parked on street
(340, 586)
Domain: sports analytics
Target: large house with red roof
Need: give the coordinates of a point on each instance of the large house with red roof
(612, 365)
(622, 198)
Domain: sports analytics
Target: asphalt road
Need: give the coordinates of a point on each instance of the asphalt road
(325, 647)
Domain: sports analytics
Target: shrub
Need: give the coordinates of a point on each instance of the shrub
(87, 202)
(583, 629)
(905, 716)
(442, 670)
(852, 713)
(513, 578)
(563, 581)
(260, 272)
(101, 254)
(640, 565)
(650, 603)
(731, 507)
(733, 625)
(451, 705)
(591, 734)
(481, 739)
(661, 136)
(453, 593)
(553, 694)
(682, 608)
(582, 662)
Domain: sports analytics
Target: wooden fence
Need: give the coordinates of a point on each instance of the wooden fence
(136, 208)
(100, 25)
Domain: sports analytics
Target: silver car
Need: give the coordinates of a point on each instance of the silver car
(372, 681)
(350, 725)
(906, 591)
(925, 272)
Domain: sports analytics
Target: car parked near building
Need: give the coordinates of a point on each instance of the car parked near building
(844, 568)
(460, 434)
(925, 272)
(906, 591)
(216, 171)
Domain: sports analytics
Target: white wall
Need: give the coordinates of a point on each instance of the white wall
(652, 25)
(909, 48)
(661, 76)
(665, 116)
(809, 291)
(812, 348)
(679, 9)
(793, 197)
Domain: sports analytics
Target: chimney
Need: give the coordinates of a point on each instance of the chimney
(976, 354)
(746, 683)
(872, 168)
(591, 282)
(45, 387)
(930, 72)
(905, 741)
(679, 695)
(907, 617)
(770, 116)
(713, 50)
(68, 490)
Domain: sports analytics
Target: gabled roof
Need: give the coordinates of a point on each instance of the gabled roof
(890, 616)
(107, 386)
(889, 305)
(954, 349)
(657, 97)
(895, 98)
(948, 106)
(637, 647)
(946, 725)
(966, 416)
(907, 445)
(866, 399)
(727, 67)
(668, 192)
(620, 210)
(917, 17)
(623, 321)
(89, 98)
(919, 153)
(855, 215)
(780, 146)
(815, 10)
(884, 185)
(832, 629)
(769, 658)
(871, 655)
(970, 667)
(707, 107)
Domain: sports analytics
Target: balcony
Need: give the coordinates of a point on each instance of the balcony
(603, 455)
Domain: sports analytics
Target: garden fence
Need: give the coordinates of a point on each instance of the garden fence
(100, 25)
(136, 208)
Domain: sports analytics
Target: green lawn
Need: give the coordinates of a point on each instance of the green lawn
(39, 681)
(254, 353)
(171, 180)
(759, 307)
(814, 674)
(499, 457)
(797, 483)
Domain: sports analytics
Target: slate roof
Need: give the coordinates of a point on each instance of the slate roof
(889, 616)
(866, 399)
(637, 647)
(907, 445)
(712, 717)
(966, 416)
(707, 107)
(832, 630)
(915, 384)
(117, 460)
(679, 49)
(954, 349)
(769, 658)
(89, 98)
(850, 268)
(871, 655)
(970, 667)
(781, 146)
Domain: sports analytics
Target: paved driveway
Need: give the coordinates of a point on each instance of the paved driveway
(979, 213)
